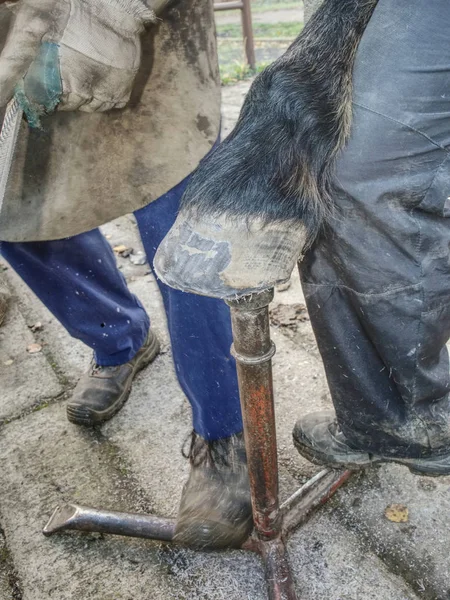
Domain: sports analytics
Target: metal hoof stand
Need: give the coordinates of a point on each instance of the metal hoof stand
(253, 351)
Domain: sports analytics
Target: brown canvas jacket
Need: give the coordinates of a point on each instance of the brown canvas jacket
(82, 170)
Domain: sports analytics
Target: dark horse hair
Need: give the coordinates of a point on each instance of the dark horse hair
(277, 163)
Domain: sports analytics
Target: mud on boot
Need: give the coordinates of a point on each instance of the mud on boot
(215, 509)
(318, 438)
(102, 391)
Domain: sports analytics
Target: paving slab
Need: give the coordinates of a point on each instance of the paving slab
(9, 584)
(418, 550)
(43, 462)
(329, 562)
(56, 462)
(27, 380)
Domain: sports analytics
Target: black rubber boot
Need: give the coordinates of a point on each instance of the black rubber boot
(318, 438)
(102, 391)
(215, 509)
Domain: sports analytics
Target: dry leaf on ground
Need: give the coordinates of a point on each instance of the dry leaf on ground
(34, 348)
(36, 327)
(397, 513)
(120, 248)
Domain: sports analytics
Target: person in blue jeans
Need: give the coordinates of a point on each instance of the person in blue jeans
(78, 281)
(122, 101)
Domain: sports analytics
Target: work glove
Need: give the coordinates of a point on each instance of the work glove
(73, 54)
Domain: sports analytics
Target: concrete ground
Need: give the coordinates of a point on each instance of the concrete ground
(348, 550)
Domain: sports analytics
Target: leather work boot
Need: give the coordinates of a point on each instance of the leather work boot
(318, 438)
(215, 509)
(102, 391)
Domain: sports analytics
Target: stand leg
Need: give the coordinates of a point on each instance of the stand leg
(253, 350)
(83, 518)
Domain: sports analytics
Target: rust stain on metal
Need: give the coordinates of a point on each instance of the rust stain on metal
(334, 488)
(253, 351)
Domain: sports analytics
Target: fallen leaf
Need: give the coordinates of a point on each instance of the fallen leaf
(34, 348)
(119, 249)
(36, 327)
(8, 362)
(397, 513)
(126, 253)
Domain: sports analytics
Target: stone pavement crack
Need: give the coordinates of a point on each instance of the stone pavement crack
(42, 404)
(125, 481)
(28, 312)
(358, 507)
(9, 580)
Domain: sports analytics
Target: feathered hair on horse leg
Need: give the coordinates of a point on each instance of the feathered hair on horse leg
(277, 163)
(257, 201)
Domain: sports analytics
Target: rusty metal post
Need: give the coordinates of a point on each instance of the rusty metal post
(280, 585)
(253, 351)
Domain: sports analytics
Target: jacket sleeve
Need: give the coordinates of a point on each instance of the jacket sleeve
(158, 6)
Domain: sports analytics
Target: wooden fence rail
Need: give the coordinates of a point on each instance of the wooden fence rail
(247, 29)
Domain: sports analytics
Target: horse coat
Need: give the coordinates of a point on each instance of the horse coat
(259, 200)
(82, 170)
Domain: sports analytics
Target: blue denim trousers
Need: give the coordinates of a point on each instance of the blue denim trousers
(78, 281)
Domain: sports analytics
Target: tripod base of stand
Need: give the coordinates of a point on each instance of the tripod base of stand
(294, 512)
(253, 351)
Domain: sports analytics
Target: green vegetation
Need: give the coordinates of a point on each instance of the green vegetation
(265, 5)
(262, 30)
(233, 66)
(237, 71)
(271, 39)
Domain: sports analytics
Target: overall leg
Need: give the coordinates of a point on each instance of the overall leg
(200, 332)
(377, 282)
(78, 280)
(215, 508)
